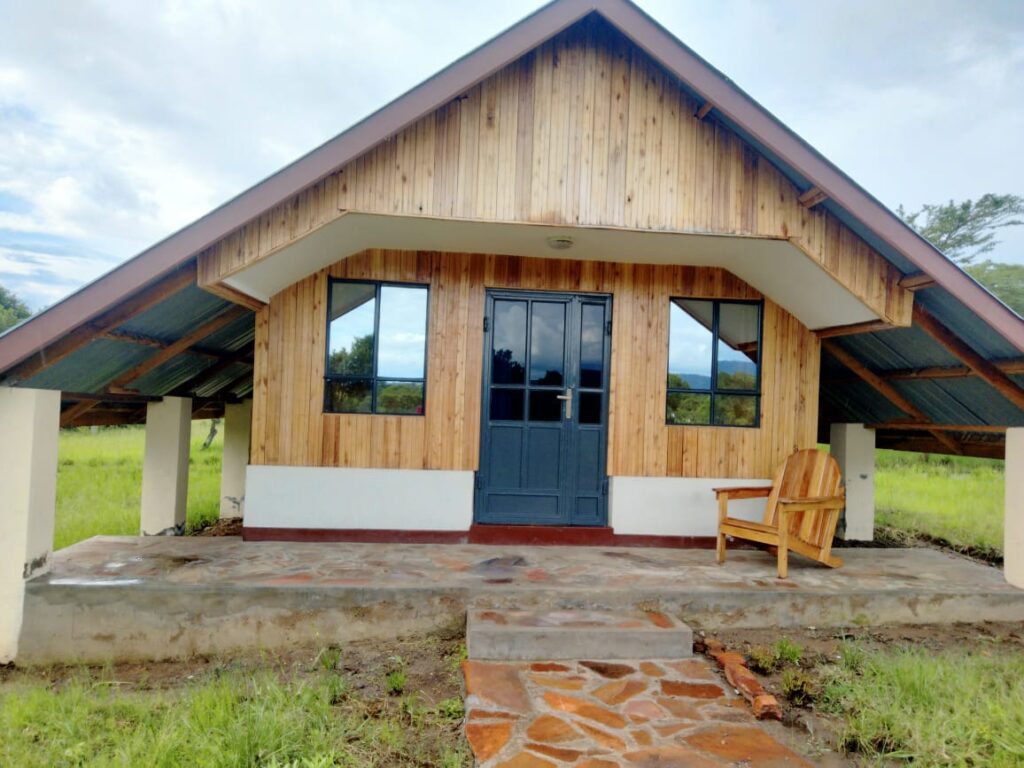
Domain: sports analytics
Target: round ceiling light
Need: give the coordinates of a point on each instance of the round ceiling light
(560, 242)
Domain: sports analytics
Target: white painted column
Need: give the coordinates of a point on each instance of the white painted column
(235, 460)
(1013, 525)
(165, 466)
(853, 445)
(29, 430)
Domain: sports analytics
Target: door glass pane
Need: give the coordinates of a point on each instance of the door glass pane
(401, 350)
(508, 343)
(688, 408)
(590, 407)
(737, 346)
(545, 405)
(689, 345)
(507, 405)
(736, 410)
(350, 337)
(592, 346)
(547, 344)
(350, 396)
(400, 397)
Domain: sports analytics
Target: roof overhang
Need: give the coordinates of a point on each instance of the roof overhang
(775, 267)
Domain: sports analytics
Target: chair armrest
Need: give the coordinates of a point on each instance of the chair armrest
(811, 503)
(743, 492)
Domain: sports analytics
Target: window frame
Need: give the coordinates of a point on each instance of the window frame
(714, 390)
(373, 378)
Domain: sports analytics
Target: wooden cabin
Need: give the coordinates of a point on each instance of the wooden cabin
(557, 292)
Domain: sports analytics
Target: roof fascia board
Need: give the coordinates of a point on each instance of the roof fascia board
(739, 107)
(44, 328)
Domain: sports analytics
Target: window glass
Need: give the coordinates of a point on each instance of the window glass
(547, 344)
(592, 346)
(737, 346)
(508, 343)
(353, 306)
(545, 405)
(590, 407)
(690, 344)
(713, 358)
(507, 405)
(403, 332)
(376, 348)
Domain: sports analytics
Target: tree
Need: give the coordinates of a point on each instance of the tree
(1004, 280)
(967, 229)
(12, 309)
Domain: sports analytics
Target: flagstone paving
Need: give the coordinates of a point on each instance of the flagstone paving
(596, 714)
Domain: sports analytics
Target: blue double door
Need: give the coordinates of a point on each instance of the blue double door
(544, 426)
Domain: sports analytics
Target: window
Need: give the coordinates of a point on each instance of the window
(714, 363)
(376, 348)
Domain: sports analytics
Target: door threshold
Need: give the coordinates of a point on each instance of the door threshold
(542, 535)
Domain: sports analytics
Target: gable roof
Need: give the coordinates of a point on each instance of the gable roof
(961, 302)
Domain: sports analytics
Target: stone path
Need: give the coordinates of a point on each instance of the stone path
(602, 714)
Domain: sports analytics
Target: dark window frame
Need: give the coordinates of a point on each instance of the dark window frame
(374, 378)
(714, 391)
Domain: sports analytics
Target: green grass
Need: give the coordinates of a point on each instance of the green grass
(948, 708)
(99, 481)
(949, 497)
(223, 719)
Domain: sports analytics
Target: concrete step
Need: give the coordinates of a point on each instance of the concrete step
(544, 634)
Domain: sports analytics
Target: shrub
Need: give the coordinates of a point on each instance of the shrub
(788, 652)
(798, 686)
(763, 659)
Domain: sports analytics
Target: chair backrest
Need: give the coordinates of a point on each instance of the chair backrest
(806, 474)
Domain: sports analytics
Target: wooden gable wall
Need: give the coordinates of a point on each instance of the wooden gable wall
(290, 427)
(586, 130)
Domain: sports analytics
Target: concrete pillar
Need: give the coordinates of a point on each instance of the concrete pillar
(853, 445)
(237, 431)
(1013, 525)
(165, 466)
(29, 430)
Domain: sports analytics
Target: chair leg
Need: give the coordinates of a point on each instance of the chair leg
(783, 556)
(720, 551)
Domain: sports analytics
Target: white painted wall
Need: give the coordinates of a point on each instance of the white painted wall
(165, 466)
(675, 506)
(1013, 530)
(237, 432)
(30, 427)
(331, 497)
(853, 446)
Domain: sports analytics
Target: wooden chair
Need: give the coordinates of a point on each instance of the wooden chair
(802, 511)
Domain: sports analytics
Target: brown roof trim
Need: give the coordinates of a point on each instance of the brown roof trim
(732, 102)
(450, 82)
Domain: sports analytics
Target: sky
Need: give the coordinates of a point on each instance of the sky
(122, 121)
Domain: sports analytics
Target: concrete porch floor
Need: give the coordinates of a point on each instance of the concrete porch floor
(163, 597)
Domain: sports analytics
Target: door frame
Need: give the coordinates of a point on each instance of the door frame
(572, 354)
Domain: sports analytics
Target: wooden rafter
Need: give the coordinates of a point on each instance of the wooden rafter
(235, 296)
(871, 326)
(704, 110)
(86, 332)
(812, 197)
(1009, 367)
(929, 427)
(916, 281)
(888, 391)
(982, 368)
(243, 355)
(151, 341)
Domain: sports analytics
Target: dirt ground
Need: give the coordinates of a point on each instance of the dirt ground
(821, 647)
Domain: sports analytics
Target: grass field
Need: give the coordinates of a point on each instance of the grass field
(949, 497)
(99, 481)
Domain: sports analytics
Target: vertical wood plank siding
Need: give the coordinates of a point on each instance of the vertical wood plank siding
(584, 130)
(290, 428)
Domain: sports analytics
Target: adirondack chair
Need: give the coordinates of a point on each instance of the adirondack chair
(801, 515)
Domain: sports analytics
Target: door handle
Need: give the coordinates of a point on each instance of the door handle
(567, 397)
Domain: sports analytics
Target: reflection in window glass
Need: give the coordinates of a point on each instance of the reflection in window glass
(592, 346)
(509, 343)
(713, 375)
(350, 337)
(376, 348)
(690, 344)
(547, 344)
(737, 346)
(403, 332)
